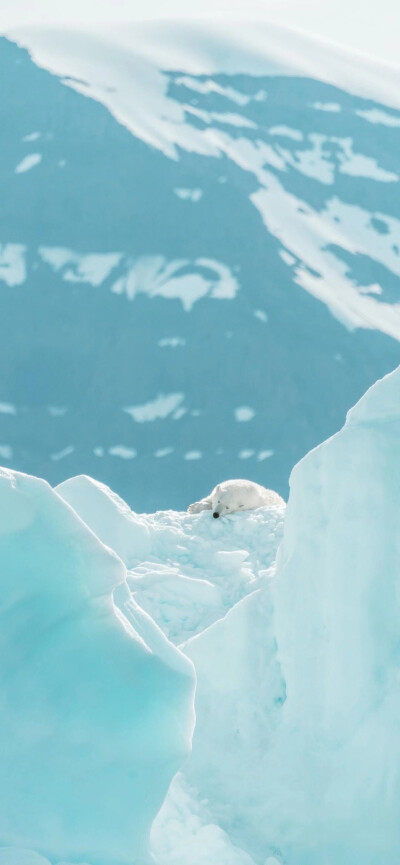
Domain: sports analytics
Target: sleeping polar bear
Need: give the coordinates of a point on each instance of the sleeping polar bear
(239, 495)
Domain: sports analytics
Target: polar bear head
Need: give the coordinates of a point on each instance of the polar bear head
(224, 500)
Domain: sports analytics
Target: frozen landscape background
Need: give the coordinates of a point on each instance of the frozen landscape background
(200, 252)
(199, 261)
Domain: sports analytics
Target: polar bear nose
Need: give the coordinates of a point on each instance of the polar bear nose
(215, 514)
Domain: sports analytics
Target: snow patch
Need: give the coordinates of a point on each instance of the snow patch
(123, 452)
(327, 106)
(12, 263)
(265, 455)
(189, 194)
(60, 455)
(261, 315)
(8, 408)
(6, 452)
(33, 136)
(287, 132)
(28, 162)
(92, 269)
(359, 165)
(306, 233)
(377, 116)
(159, 408)
(181, 280)
(244, 413)
(171, 341)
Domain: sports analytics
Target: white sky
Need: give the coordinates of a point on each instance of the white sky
(370, 27)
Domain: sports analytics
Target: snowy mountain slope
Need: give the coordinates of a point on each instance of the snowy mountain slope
(202, 292)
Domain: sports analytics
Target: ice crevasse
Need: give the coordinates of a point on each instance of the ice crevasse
(295, 757)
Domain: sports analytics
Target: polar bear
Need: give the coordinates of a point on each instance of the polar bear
(236, 495)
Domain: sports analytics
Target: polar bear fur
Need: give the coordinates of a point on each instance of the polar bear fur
(236, 495)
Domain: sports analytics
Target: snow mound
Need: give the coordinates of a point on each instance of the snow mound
(96, 706)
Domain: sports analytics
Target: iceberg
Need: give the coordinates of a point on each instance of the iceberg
(290, 621)
(96, 706)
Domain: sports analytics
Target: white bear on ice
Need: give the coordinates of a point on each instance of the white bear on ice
(237, 495)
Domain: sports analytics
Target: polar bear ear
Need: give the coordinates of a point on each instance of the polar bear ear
(218, 488)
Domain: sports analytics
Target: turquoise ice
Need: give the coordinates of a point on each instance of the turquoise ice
(97, 705)
(294, 643)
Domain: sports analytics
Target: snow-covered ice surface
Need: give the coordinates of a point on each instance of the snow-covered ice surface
(206, 578)
(181, 566)
(295, 749)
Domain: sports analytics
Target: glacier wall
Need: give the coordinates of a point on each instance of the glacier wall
(337, 608)
(96, 705)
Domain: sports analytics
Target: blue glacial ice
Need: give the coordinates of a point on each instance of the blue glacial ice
(296, 746)
(295, 750)
(96, 708)
(109, 517)
(336, 601)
